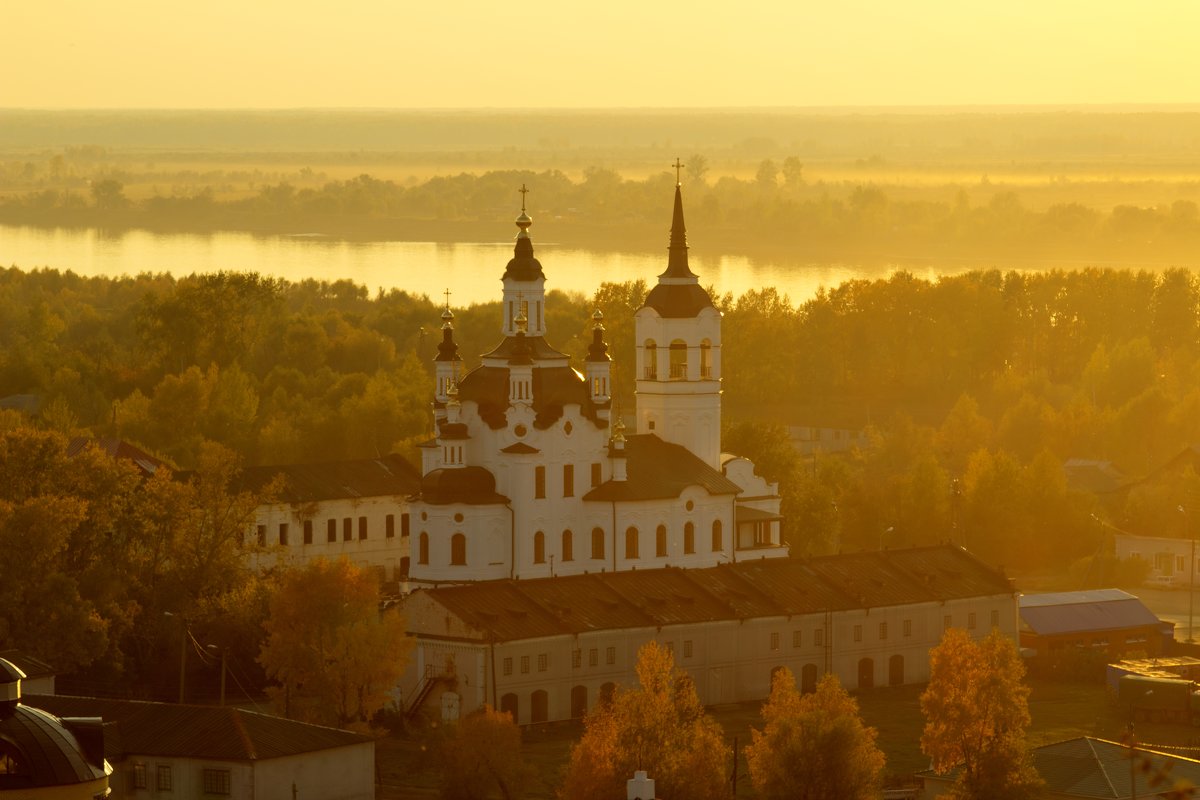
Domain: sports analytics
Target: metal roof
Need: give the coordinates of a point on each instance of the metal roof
(1077, 612)
(390, 476)
(210, 732)
(657, 470)
(512, 610)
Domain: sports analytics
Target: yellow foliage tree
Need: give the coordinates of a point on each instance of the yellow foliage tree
(334, 654)
(813, 746)
(484, 753)
(659, 727)
(976, 712)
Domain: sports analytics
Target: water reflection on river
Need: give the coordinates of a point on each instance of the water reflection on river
(471, 270)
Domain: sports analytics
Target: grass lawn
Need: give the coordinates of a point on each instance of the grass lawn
(1059, 711)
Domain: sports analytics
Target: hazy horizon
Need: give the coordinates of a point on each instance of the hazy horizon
(624, 54)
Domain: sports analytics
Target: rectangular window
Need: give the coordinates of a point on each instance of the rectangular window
(568, 480)
(308, 531)
(908, 627)
(283, 533)
(216, 781)
(262, 535)
(1179, 564)
(593, 657)
(995, 618)
(819, 638)
(947, 622)
(858, 633)
(362, 527)
(163, 781)
(576, 658)
(543, 662)
(883, 630)
(774, 641)
(524, 665)
(539, 482)
(597, 475)
(671, 648)
(139, 776)
(331, 528)
(347, 529)
(508, 665)
(610, 655)
(796, 639)
(971, 620)
(389, 526)
(403, 525)
(687, 648)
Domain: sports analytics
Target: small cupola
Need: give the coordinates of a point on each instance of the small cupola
(10, 683)
(524, 282)
(616, 451)
(447, 360)
(520, 367)
(599, 365)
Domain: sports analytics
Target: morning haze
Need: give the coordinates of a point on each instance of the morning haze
(767, 399)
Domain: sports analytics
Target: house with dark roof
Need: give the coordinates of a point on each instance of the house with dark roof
(170, 750)
(549, 648)
(1093, 769)
(1108, 621)
(531, 475)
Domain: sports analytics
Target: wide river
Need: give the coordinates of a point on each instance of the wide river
(471, 270)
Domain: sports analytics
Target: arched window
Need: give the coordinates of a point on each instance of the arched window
(539, 548)
(717, 540)
(651, 360)
(568, 547)
(660, 541)
(808, 679)
(458, 549)
(597, 543)
(539, 706)
(679, 360)
(423, 548)
(689, 538)
(705, 359)
(631, 543)
(896, 670)
(578, 702)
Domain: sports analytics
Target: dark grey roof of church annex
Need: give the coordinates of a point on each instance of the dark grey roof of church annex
(678, 300)
(657, 470)
(471, 485)
(391, 475)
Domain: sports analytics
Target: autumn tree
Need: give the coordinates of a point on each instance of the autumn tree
(814, 746)
(976, 711)
(334, 655)
(659, 727)
(482, 757)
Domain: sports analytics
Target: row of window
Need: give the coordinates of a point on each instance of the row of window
(568, 480)
(543, 664)
(677, 367)
(331, 530)
(458, 544)
(906, 630)
(214, 781)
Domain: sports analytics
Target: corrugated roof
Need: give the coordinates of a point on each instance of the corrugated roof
(212, 732)
(1077, 612)
(32, 667)
(389, 476)
(657, 470)
(116, 448)
(513, 610)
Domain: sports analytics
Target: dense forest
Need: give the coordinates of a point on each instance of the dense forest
(974, 389)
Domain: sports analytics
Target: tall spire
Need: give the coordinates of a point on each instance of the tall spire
(677, 258)
(524, 267)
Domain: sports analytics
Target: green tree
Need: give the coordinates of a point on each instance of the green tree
(815, 746)
(976, 711)
(334, 656)
(660, 727)
(482, 757)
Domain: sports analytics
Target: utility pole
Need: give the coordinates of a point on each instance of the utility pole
(183, 637)
(1191, 573)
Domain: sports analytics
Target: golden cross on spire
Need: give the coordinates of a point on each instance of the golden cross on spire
(678, 166)
(524, 192)
(447, 293)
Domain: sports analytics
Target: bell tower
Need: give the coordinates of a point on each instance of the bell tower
(678, 339)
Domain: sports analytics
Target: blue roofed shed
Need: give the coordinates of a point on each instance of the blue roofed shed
(1111, 620)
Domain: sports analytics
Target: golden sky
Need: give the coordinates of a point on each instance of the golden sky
(627, 53)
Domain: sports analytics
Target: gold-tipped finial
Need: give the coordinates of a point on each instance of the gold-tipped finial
(598, 319)
(618, 430)
(678, 165)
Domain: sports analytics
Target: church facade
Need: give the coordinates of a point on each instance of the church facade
(531, 473)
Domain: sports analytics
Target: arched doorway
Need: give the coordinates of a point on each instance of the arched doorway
(578, 702)
(606, 692)
(866, 673)
(896, 670)
(539, 706)
(508, 704)
(808, 679)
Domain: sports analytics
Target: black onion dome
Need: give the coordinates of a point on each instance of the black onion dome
(524, 267)
(598, 349)
(470, 485)
(45, 751)
(447, 348)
